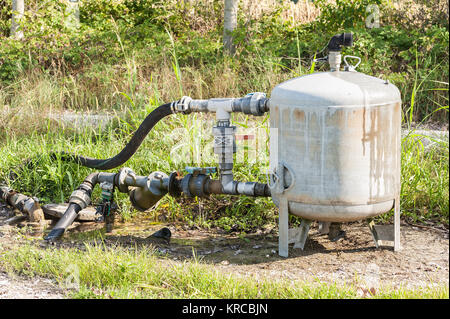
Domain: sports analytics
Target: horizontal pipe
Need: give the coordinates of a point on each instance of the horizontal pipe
(252, 104)
(25, 204)
(212, 186)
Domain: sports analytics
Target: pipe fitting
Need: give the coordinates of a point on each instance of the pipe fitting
(334, 59)
(27, 205)
(182, 106)
(252, 104)
(79, 200)
(81, 197)
(120, 180)
(143, 198)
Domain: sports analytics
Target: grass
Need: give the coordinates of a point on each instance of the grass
(425, 181)
(98, 271)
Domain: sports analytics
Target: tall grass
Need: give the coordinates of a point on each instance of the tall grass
(425, 174)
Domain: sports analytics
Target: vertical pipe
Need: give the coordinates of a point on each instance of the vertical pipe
(397, 245)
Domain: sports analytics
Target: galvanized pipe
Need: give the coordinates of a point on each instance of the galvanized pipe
(211, 186)
(252, 104)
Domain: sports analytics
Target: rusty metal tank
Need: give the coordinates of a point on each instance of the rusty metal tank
(335, 145)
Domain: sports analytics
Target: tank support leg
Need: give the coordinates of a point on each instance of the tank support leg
(387, 234)
(373, 231)
(283, 228)
(303, 234)
(397, 245)
(324, 228)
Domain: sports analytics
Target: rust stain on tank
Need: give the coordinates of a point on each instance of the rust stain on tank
(286, 117)
(275, 115)
(299, 115)
(355, 118)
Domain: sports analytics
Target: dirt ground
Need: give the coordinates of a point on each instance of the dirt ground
(13, 287)
(17, 287)
(423, 260)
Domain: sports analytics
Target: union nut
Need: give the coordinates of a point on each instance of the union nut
(80, 197)
(182, 106)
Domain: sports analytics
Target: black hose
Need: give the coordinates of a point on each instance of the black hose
(65, 221)
(104, 164)
(73, 209)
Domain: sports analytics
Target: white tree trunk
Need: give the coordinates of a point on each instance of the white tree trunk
(73, 14)
(229, 24)
(18, 7)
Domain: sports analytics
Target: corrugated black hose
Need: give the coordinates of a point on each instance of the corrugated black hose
(104, 164)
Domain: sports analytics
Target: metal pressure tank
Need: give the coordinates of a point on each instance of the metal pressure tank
(335, 146)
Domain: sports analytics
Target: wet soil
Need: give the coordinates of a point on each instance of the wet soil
(423, 260)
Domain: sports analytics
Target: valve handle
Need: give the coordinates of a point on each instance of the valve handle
(349, 67)
(201, 170)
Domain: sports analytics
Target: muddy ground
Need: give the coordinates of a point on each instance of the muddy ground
(423, 260)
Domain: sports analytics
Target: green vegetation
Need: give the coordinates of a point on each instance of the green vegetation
(114, 272)
(132, 47)
(127, 57)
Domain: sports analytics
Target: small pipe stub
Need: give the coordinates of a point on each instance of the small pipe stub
(343, 39)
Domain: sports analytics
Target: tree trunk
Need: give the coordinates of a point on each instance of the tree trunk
(230, 22)
(18, 10)
(73, 14)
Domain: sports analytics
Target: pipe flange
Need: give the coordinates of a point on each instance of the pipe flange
(123, 173)
(199, 184)
(185, 185)
(256, 100)
(155, 183)
(174, 189)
